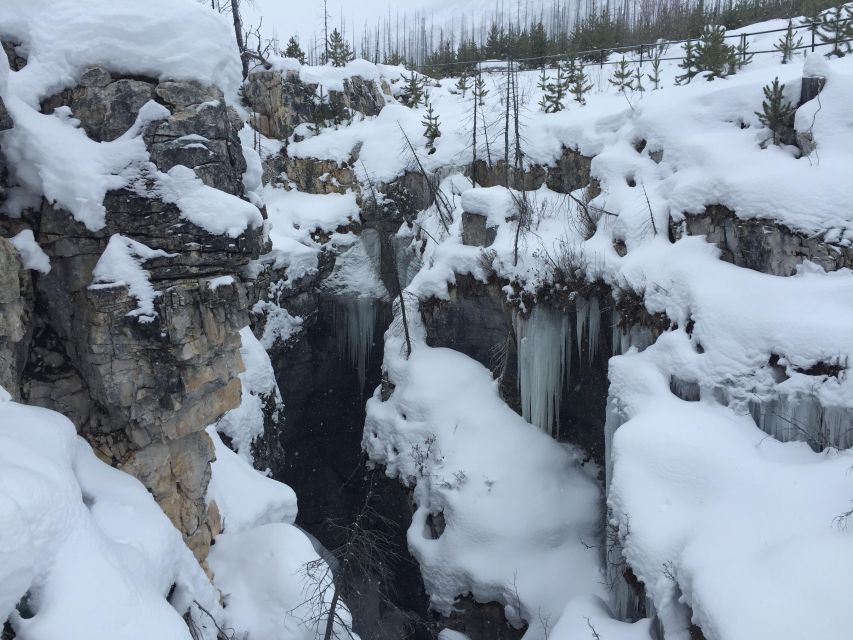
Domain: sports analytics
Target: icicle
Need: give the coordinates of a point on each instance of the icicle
(581, 315)
(543, 362)
(594, 324)
(355, 320)
(802, 417)
(615, 334)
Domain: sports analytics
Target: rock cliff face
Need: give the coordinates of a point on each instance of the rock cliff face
(141, 392)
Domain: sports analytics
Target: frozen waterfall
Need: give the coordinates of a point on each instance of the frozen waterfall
(544, 365)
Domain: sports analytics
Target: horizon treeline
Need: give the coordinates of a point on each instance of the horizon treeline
(535, 34)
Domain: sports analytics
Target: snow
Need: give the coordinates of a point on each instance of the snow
(269, 586)
(211, 209)
(31, 253)
(220, 281)
(86, 541)
(585, 616)
(702, 496)
(245, 424)
(162, 39)
(51, 155)
(120, 265)
(246, 498)
(517, 505)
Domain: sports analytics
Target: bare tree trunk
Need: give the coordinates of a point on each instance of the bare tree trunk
(330, 618)
(325, 31)
(506, 125)
(474, 133)
(238, 33)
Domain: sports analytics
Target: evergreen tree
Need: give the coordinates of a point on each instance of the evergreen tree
(538, 44)
(637, 79)
(431, 127)
(495, 42)
(688, 64)
(294, 50)
(788, 43)
(480, 91)
(462, 84)
(339, 50)
(836, 26)
(740, 56)
(713, 55)
(775, 111)
(569, 68)
(554, 91)
(413, 90)
(542, 85)
(623, 77)
(654, 76)
(581, 86)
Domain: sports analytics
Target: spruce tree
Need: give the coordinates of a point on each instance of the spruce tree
(623, 77)
(836, 26)
(555, 92)
(788, 43)
(581, 86)
(740, 56)
(431, 127)
(480, 91)
(413, 90)
(654, 76)
(775, 111)
(538, 43)
(637, 80)
(462, 84)
(339, 49)
(688, 64)
(293, 50)
(542, 84)
(713, 55)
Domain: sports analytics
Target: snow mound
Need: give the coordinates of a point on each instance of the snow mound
(712, 514)
(87, 543)
(263, 576)
(502, 509)
(164, 39)
(246, 498)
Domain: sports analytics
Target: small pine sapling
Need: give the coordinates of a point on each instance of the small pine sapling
(741, 56)
(688, 64)
(431, 127)
(637, 80)
(775, 111)
(623, 77)
(413, 90)
(293, 50)
(581, 86)
(542, 84)
(480, 91)
(339, 49)
(654, 76)
(713, 55)
(462, 84)
(555, 93)
(788, 43)
(836, 26)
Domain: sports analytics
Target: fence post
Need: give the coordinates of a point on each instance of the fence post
(814, 27)
(601, 59)
(641, 56)
(743, 46)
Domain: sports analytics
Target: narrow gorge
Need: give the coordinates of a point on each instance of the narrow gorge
(275, 364)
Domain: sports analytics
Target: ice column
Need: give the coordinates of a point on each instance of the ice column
(544, 365)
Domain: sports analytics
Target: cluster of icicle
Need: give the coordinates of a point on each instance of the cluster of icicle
(544, 339)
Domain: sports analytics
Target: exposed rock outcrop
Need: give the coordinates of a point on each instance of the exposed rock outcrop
(141, 390)
(281, 100)
(763, 245)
